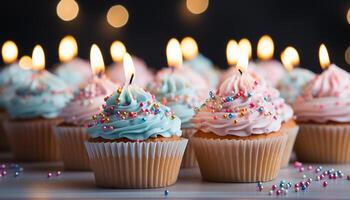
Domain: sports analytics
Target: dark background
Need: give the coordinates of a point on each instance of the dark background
(301, 23)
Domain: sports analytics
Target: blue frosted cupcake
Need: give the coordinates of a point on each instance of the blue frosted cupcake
(135, 142)
(33, 110)
(11, 77)
(176, 92)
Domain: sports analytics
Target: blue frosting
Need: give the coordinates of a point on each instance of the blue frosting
(293, 82)
(205, 67)
(133, 113)
(176, 92)
(11, 78)
(45, 96)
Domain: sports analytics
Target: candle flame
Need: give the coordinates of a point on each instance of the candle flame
(68, 48)
(290, 58)
(38, 58)
(189, 48)
(245, 45)
(118, 51)
(173, 53)
(232, 52)
(129, 68)
(323, 57)
(96, 60)
(25, 62)
(265, 48)
(243, 60)
(9, 52)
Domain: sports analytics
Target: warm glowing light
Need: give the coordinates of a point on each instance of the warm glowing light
(243, 60)
(245, 45)
(173, 53)
(232, 52)
(118, 51)
(25, 62)
(96, 60)
(9, 52)
(129, 68)
(348, 16)
(197, 6)
(290, 58)
(38, 58)
(189, 48)
(68, 49)
(347, 55)
(323, 57)
(67, 10)
(117, 16)
(265, 48)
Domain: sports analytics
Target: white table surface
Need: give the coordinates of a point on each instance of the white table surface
(34, 184)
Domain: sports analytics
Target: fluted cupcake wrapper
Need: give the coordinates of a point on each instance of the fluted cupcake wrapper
(33, 140)
(4, 145)
(136, 164)
(225, 160)
(71, 142)
(323, 143)
(292, 133)
(189, 160)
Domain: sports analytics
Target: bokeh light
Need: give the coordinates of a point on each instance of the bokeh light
(25, 62)
(197, 6)
(9, 52)
(347, 55)
(117, 16)
(348, 16)
(117, 51)
(67, 10)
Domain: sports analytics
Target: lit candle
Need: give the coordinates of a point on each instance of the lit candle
(174, 54)
(265, 48)
(242, 63)
(68, 49)
(117, 51)
(189, 48)
(245, 45)
(38, 59)
(232, 52)
(290, 58)
(9, 52)
(324, 57)
(25, 62)
(96, 60)
(129, 69)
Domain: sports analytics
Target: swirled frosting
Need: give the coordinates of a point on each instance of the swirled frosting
(144, 75)
(196, 80)
(12, 77)
(273, 70)
(87, 101)
(293, 82)
(176, 92)
(45, 96)
(325, 98)
(241, 107)
(134, 114)
(74, 72)
(282, 109)
(205, 67)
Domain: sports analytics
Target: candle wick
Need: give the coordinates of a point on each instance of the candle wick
(240, 71)
(131, 78)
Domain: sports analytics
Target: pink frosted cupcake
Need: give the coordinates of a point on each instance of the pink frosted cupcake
(116, 72)
(71, 134)
(323, 114)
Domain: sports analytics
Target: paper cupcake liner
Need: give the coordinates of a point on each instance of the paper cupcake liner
(225, 160)
(292, 133)
(136, 164)
(4, 145)
(189, 159)
(33, 140)
(71, 143)
(323, 143)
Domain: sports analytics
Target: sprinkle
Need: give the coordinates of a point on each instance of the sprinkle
(166, 192)
(225, 116)
(297, 164)
(173, 117)
(304, 176)
(234, 121)
(348, 177)
(230, 115)
(49, 175)
(274, 187)
(119, 90)
(270, 192)
(301, 169)
(325, 184)
(58, 173)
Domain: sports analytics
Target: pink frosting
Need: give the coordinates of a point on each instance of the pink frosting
(325, 98)
(273, 71)
(143, 75)
(241, 108)
(88, 101)
(196, 80)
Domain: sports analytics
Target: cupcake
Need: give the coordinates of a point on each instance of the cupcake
(176, 92)
(293, 82)
(135, 141)
(323, 114)
(11, 77)
(75, 72)
(34, 109)
(239, 137)
(71, 134)
(116, 74)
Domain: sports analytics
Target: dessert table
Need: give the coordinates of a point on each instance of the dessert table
(34, 182)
